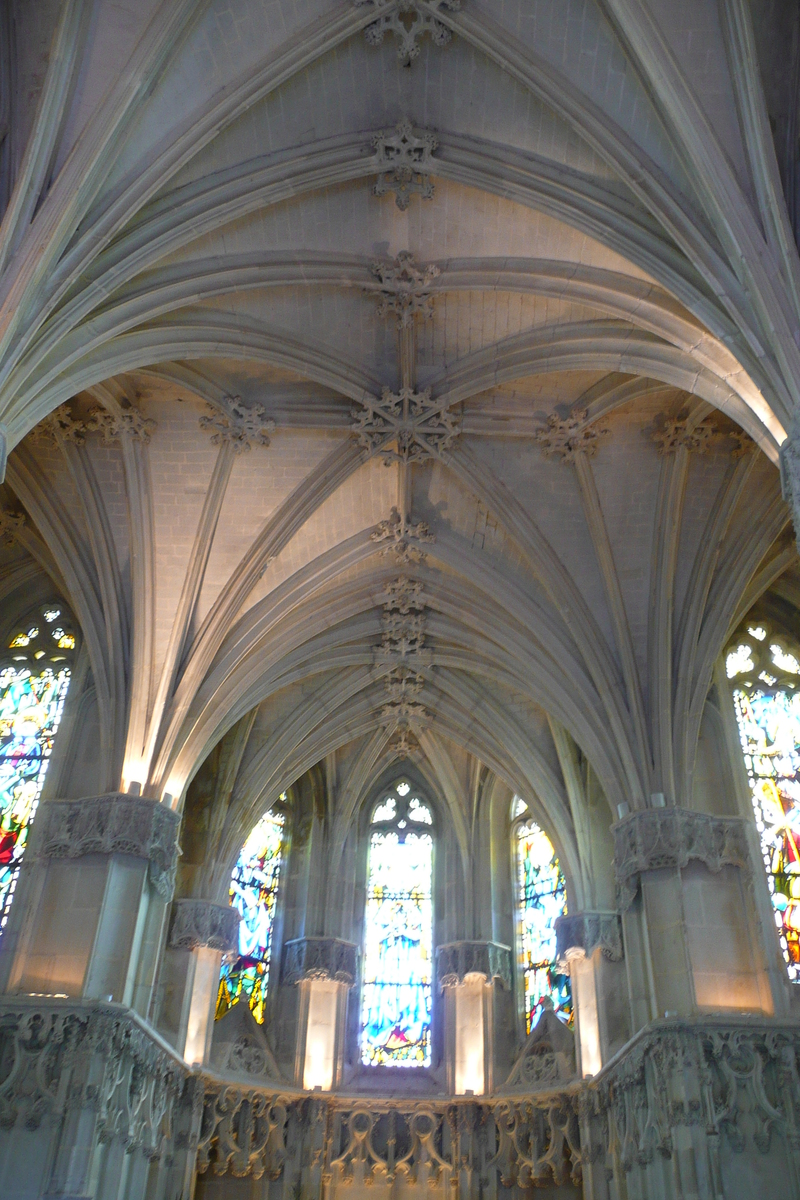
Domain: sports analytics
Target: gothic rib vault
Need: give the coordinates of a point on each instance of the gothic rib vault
(400, 387)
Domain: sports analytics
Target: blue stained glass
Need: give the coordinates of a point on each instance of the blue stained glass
(542, 897)
(769, 726)
(254, 891)
(30, 711)
(397, 983)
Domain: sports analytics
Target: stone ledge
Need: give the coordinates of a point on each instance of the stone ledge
(199, 923)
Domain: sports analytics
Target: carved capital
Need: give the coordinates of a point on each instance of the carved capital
(578, 935)
(790, 472)
(114, 824)
(456, 960)
(671, 837)
(319, 958)
(197, 923)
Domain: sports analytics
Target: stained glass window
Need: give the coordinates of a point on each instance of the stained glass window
(34, 678)
(542, 896)
(254, 891)
(765, 668)
(397, 984)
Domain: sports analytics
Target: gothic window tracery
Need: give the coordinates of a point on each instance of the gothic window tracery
(35, 671)
(541, 898)
(764, 668)
(254, 892)
(396, 995)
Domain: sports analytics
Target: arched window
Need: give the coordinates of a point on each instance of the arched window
(34, 677)
(254, 891)
(765, 668)
(398, 939)
(541, 897)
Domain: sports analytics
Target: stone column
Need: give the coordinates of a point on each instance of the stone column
(581, 940)
(467, 972)
(324, 969)
(200, 933)
(790, 472)
(95, 902)
(685, 888)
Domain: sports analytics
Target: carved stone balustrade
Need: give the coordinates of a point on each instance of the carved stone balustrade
(113, 824)
(670, 837)
(578, 935)
(319, 958)
(197, 923)
(456, 960)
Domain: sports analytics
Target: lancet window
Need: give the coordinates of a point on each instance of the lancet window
(397, 980)
(764, 667)
(254, 892)
(541, 898)
(34, 677)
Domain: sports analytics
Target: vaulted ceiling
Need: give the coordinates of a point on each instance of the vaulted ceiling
(399, 378)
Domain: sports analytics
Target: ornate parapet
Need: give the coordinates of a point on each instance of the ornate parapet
(578, 935)
(79, 1078)
(319, 958)
(113, 824)
(671, 837)
(197, 923)
(456, 960)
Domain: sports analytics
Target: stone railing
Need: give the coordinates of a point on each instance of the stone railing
(90, 1096)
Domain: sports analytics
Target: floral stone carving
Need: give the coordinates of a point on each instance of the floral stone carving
(456, 960)
(670, 837)
(114, 824)
(578, 935)
(198, 923)
(319, 958)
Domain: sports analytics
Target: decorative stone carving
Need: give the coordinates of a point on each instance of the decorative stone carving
(10, 525)
(742, 443)
(405, 289)
(240, 1047)
(197, 923)
(405, 744)
(403, 539)
(790, 471)
(319, 958)
(671, 837)
(578, 935)
(404, 160)
(130, 422)
(402, 684)
(407, 420)
(240, 425)
(567, 437)
(408, 21)
(548, 1056)
(114, 824)
(403, 624)
(673, 435)
(456, 960)
(58, 427)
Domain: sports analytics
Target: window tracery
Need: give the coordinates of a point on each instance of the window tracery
(254, 892)
(764, 667)
(34, 678)
(396, 995)
(541, 898)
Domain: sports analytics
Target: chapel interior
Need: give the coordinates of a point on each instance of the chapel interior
(399, 599)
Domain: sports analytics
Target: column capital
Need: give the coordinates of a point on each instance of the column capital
(456, 960)
(319, 958)
(197, 923)
(114, 824)
(671, 837)
(790, 471)
(578, 935)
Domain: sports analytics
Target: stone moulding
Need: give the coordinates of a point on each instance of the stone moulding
(456, 960)
(199, 923)
(578, 935)
(319, 958)
(114, 824)
(671, 837)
